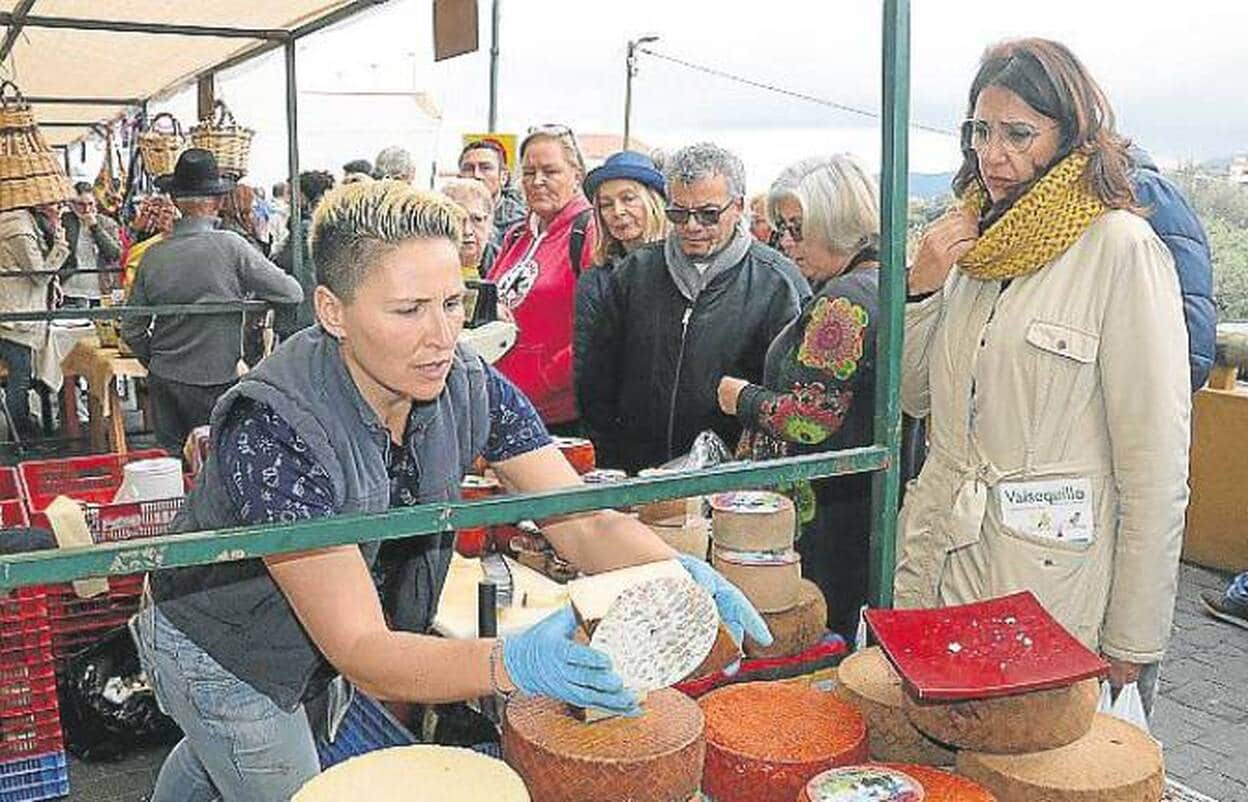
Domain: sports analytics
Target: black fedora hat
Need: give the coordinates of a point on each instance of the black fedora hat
(196, 174)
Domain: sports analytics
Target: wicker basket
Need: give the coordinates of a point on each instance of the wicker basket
(161, 148)
(30, 173)
(229, 142)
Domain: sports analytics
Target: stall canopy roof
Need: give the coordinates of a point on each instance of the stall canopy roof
(106, 71)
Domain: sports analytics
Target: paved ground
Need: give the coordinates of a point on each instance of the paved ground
(1201, 716)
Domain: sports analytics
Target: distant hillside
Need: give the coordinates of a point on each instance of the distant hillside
(929, 185)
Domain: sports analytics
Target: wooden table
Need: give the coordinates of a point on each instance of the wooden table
(101, 367)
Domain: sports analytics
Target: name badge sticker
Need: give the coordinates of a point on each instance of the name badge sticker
(1056, 509)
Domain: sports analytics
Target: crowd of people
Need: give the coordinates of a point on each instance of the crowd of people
(1058, 318)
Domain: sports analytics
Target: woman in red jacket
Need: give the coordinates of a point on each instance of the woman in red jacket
(536, 271)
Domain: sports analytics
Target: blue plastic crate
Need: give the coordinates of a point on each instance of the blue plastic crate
(33, 779)
(366, 727)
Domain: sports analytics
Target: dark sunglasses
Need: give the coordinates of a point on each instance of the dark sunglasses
(705, 215)
(793, 229)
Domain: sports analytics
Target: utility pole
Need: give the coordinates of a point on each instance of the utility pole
(630, 66)
(494, 17)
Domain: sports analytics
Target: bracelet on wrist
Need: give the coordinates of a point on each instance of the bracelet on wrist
(496, 656)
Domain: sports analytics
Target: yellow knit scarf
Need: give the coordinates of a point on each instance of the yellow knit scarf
(1038, 228)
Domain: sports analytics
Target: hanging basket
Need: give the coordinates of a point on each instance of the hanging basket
(30, 173)
(161, 147)
(229, 142)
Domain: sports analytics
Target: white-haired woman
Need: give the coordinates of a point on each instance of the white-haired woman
(819, 376)
(374, 408)
(536, 270)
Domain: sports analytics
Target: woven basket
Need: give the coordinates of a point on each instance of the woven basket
(30, 173)
(161, 148)
(229, 142)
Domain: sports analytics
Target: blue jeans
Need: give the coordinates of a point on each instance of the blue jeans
(1237, 591)
(238, 746)
(17, 391)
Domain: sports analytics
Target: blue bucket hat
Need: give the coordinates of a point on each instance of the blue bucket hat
(626, 164)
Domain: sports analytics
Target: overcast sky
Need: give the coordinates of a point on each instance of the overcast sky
(1174, 74)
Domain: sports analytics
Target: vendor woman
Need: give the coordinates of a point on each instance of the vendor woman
(374, 408)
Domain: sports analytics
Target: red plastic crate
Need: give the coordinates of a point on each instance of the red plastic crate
(12, 507)
(26, 689)
(30, 734)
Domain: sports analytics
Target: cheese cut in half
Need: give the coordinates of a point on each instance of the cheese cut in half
(417, 774)
(863, 784)
(794, 630)
(1024, 722)
(658, 631)
(1114, 762)
(753, 520)
(766, 740)
(938, 785)
(869, 683)
(656, 757)
(592, 596)
(690, 536)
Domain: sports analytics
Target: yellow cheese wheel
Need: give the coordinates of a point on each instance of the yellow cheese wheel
(417, 774)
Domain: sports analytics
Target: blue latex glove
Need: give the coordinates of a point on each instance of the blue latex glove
(545, 660)
(735, 610)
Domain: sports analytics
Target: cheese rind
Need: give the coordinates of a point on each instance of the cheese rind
(421, 773)
(765, 740)
(794, 630)
(1025, 722)
(1114, 762)
(656, 757)
(753, 520)
(690, 536)
(938, 785)
(868, 682)
(771, 581)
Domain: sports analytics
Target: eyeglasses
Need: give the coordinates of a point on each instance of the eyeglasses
(705, 215)
(550, 129)
(793, 229)
(1016, 137)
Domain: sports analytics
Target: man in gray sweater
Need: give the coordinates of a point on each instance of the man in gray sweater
(193, 359)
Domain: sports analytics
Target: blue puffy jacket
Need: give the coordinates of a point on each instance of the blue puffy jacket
(1174, 220)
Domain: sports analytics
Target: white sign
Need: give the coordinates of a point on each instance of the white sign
(1057, 509)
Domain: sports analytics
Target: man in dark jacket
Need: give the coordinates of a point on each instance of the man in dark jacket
(676, 316)
(193, 360)
(93, 245)
(1174, 220)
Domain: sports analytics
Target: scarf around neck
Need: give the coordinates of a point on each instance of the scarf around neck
(688, 279)
(1037, 228)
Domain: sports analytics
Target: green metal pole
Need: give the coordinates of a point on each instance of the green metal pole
(894, 202)
(300, 263)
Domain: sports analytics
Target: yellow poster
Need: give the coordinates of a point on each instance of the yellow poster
(505, 141)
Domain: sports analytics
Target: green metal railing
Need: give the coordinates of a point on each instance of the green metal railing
(881, 458)
(110, 312)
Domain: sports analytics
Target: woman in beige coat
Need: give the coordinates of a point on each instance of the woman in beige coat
(1045, 340)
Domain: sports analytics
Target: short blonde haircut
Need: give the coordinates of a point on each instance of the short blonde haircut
(458, 188)
(839, 200)
(606, 247)
(355, 223)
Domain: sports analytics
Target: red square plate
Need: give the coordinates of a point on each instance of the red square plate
(976, 651)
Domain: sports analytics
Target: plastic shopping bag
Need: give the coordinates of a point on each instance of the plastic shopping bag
(707, 451)
(1129, 706)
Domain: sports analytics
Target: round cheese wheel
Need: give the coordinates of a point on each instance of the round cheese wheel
(690, 536)
(938, 785)
(797, 629)
(1114, 762)
(862, 784)
(423, 773)
(671, 511)
(766, 740)
(1024, 722)
(656, 757)
(770, 580)
(578, 451)
(657, 632)
(474, 487)
(868, 682)
(753, 520)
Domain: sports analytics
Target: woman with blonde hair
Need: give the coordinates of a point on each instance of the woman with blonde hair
(1045, 339)
(819, 375)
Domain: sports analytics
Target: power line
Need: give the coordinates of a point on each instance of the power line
(875, 115)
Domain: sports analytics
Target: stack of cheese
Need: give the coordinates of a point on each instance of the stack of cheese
(753, 534)
(766, 740)
(678, 521)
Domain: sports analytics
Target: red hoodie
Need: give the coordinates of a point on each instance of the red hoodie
(538, 284)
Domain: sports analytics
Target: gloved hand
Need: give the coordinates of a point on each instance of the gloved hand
(738, 615)
(545, 660)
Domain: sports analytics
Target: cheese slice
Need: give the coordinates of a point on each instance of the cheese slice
(593, 595)
(417, 774)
